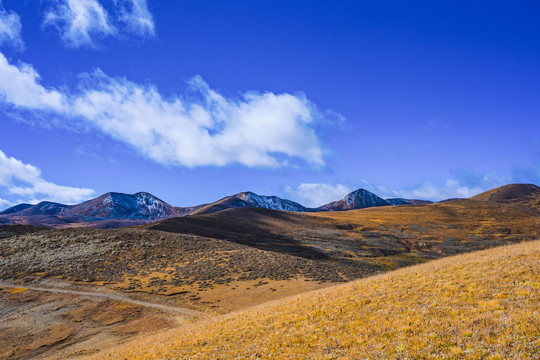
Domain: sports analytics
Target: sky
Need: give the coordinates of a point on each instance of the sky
(307, 100)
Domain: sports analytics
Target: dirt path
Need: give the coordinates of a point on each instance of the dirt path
(177, 310)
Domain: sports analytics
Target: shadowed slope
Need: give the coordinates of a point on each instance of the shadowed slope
(15, 209)
(260, 228)
(400, 201)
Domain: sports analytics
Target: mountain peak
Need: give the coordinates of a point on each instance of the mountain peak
(250, 199)
(270, 202)
(114, 205)
(358, 199)
(359, 193)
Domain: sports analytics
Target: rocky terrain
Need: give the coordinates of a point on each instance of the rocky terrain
(358, 199)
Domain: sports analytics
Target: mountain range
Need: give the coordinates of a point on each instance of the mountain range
(118, 209)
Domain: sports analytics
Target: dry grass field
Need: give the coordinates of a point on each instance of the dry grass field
(481, 305)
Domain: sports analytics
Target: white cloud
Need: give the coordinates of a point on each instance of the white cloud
(254, 129)
(83, 23)
(317, 194)
(463, 186)
(136, 16)
(10, 29)
(452, 188)
(19, 86)
(80, 22)
(26, 182)
(4, 203)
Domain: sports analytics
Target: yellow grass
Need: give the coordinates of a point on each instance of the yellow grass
(17, 290)
(483, 305)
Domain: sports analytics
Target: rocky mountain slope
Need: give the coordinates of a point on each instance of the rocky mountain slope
(106, 211)
(112, 205)
(250, 199)
(358, 199)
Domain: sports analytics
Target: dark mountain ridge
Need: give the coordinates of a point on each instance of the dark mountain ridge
(401, 201)
(16, 208)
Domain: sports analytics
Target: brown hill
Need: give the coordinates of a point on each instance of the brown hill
(522, 195)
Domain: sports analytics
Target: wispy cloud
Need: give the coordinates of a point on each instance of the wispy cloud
(463, 185)
(26, 183)
(84, 23)
(80, 22)
(136, 16)
(10, 29)
(317, 194)
(255, 129)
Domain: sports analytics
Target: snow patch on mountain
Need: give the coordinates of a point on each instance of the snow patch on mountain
(270, 202)
(358, 199)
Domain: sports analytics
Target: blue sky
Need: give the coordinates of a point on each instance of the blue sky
(196, 100)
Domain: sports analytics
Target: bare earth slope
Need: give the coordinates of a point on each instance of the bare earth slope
(479, 305)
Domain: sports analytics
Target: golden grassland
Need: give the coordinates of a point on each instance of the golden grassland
(481, 305)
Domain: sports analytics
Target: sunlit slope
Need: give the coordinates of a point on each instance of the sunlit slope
(478, 305)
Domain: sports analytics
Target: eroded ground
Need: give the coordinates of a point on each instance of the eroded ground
(41, 324)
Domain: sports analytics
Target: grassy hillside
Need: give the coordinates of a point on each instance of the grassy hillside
(481, 305)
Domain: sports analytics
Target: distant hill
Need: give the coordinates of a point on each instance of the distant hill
(522, 195)
(43, 208)
(401, 201)
(358, 199)
(15, 209)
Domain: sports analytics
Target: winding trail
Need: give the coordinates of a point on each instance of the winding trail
(166, 308)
